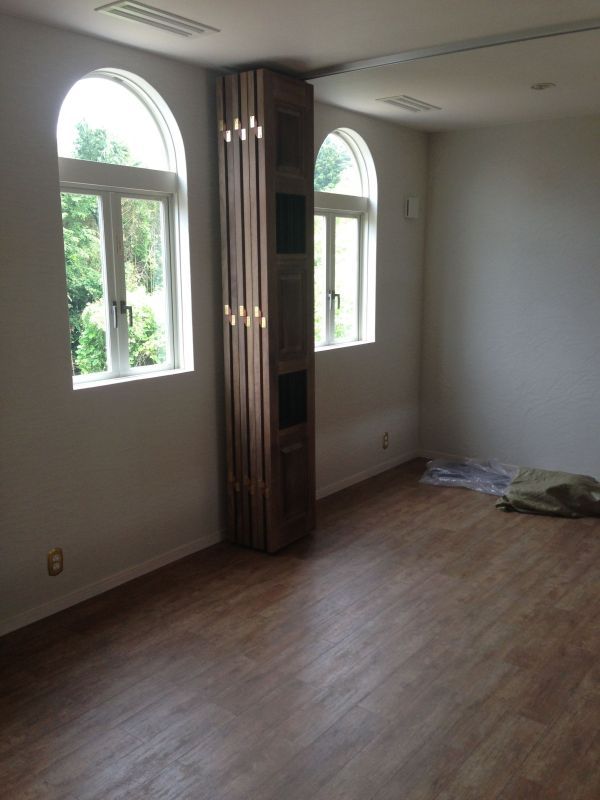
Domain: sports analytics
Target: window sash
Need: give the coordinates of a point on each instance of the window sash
(114, 285)
(328, 201)
(330, 266)
(115, 177)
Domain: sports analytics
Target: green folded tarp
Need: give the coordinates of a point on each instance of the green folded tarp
(539, 491)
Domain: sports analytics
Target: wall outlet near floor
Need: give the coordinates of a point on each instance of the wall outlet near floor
(385, 442)
(55, 561)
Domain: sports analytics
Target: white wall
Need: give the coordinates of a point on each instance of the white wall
(129, 476)
(116, 475)
(511, 363)
(364, 390)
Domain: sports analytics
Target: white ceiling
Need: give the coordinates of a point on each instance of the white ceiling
(305, 35)
(480, 87)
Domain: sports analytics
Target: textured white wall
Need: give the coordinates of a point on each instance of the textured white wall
(128, 476)
(365, 390)
(511, 362)
(116, 475)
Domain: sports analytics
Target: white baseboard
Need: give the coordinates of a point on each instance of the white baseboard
(350, 480)
(430, 454)
(92, 589)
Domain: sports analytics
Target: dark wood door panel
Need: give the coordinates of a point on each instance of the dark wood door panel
(292, 297)
(290, 141)
(293, 464)
(266, 167)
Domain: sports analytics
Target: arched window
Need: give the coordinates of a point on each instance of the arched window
(121, 165)
(345, 232)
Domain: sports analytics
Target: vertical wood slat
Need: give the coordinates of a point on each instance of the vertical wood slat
(309, 157)
(227, 302)
(245, 334)
(266, 213)
(254, 330)
(274, 466)
(230, 82)
(236, 147)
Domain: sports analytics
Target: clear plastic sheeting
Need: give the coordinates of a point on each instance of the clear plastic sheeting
(489, 477)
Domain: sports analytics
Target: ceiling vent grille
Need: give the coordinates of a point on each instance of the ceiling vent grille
(408, 103)
(156, 18)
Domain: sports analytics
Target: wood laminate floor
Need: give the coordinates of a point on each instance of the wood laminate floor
(420, 646)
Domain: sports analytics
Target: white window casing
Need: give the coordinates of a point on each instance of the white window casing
(113, 184)
(332, 206)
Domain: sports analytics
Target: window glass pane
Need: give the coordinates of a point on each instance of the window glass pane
(84, 263)
(101, 119)
(144, 249)
(320, 280)
(336, 169)
(347, 261)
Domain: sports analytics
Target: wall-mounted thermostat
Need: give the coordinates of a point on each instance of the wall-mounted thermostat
(411, 208)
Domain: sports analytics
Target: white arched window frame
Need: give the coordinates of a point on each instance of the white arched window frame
(166, 189)
(332, 208)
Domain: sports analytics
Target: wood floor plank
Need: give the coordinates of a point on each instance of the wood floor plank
(421, 645)
(482, 775)
(311, 769)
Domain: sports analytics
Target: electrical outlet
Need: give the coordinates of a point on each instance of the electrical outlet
(55, 561)
(385, 443)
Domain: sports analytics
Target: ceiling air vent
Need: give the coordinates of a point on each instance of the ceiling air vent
(156, 18)
(408, 103)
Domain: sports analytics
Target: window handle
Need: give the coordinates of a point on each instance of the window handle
(115, 314)
(125, 309)
(332, 299)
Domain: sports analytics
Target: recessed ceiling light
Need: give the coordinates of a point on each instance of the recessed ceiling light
(539, 87)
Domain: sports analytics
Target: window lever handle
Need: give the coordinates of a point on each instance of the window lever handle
(125, 309)
(332, 299)
(115, 315)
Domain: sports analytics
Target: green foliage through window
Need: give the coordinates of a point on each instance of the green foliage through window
(332, 160)
(144, 266)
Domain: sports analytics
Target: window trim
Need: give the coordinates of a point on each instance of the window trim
(363, 207)
(113, 274)
(331, 215)
(119, 178)
(113, 182)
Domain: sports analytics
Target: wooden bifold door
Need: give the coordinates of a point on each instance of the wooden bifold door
(265, 130)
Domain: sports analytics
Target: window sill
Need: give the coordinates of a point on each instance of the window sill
(127, 379)
(325, 347)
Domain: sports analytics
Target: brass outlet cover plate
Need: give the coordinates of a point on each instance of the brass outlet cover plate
(55, 561)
